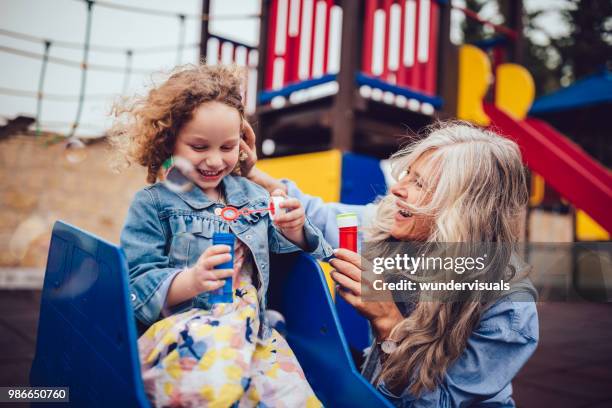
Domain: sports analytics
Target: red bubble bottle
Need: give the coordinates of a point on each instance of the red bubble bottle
(347, 230)
(355, 326)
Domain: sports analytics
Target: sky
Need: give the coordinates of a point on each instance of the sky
(65, 20)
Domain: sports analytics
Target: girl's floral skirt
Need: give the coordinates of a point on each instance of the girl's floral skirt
(214, 359)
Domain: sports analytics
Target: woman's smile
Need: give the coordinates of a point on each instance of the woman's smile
(402, 212)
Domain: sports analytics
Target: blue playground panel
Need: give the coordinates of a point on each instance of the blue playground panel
(362, 181)
(363, 79)
(267, 96)
(87, 335)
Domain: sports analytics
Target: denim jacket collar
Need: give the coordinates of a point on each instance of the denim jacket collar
(234, 196)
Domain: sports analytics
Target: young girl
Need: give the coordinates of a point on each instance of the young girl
(195, 353)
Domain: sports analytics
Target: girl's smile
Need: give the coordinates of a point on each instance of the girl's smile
(210, 175)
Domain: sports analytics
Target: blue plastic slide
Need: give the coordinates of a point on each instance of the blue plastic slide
(87, 334)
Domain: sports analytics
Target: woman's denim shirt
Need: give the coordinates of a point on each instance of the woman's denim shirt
(165, 232)
(505, 338)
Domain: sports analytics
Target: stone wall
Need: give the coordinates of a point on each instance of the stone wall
(38, 185)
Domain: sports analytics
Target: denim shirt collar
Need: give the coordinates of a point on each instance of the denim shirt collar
(234, 196)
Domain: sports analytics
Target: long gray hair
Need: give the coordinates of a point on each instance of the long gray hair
(478, 194)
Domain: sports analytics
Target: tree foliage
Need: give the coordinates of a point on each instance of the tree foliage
(557, 61)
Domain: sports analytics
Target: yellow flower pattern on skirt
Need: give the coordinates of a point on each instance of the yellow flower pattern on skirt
(213, 358)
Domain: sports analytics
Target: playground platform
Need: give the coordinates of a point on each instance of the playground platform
(572, 366)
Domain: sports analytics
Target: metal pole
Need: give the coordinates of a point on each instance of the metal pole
(343, 123)
(83, 68)
(262, 55)
(204, 29)
(448, 65)
(518, 51)
(181, 40)
(128, 70)
(41, 83)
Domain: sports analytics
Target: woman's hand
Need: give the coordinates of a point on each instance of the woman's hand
(291, 223)
(347, 273)
(248, 153)
(247, 165)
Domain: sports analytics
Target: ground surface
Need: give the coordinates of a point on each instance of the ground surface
(572, 366)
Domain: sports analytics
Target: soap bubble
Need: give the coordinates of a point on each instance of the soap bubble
(268, 147)
(276, 321)
(27, 232)
(179, 177)
(74, 150)
(83, 276)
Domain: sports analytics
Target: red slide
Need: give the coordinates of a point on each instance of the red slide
(565, 166)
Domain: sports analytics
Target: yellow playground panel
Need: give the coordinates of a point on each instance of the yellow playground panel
(318, 174)
(514, 87)
(514, 90)
(474, 79)
(589, 230)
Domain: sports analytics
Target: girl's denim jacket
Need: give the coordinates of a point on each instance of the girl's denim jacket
(165, 232)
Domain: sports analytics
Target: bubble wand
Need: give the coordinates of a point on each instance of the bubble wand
(229, 213)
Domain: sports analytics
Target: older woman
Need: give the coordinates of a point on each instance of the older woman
(458, 184)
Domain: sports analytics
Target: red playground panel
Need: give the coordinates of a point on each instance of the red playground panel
(570, 171)
(399, 38)
(400, 41)
(303, 41)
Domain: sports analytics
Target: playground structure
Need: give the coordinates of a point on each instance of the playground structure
(357, 76)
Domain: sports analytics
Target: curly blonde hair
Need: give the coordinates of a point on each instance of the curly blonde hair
(146, 127)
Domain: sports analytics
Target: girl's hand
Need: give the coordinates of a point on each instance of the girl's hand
(291, 223)
(347, 273)
(247, 150)
(203, 276)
